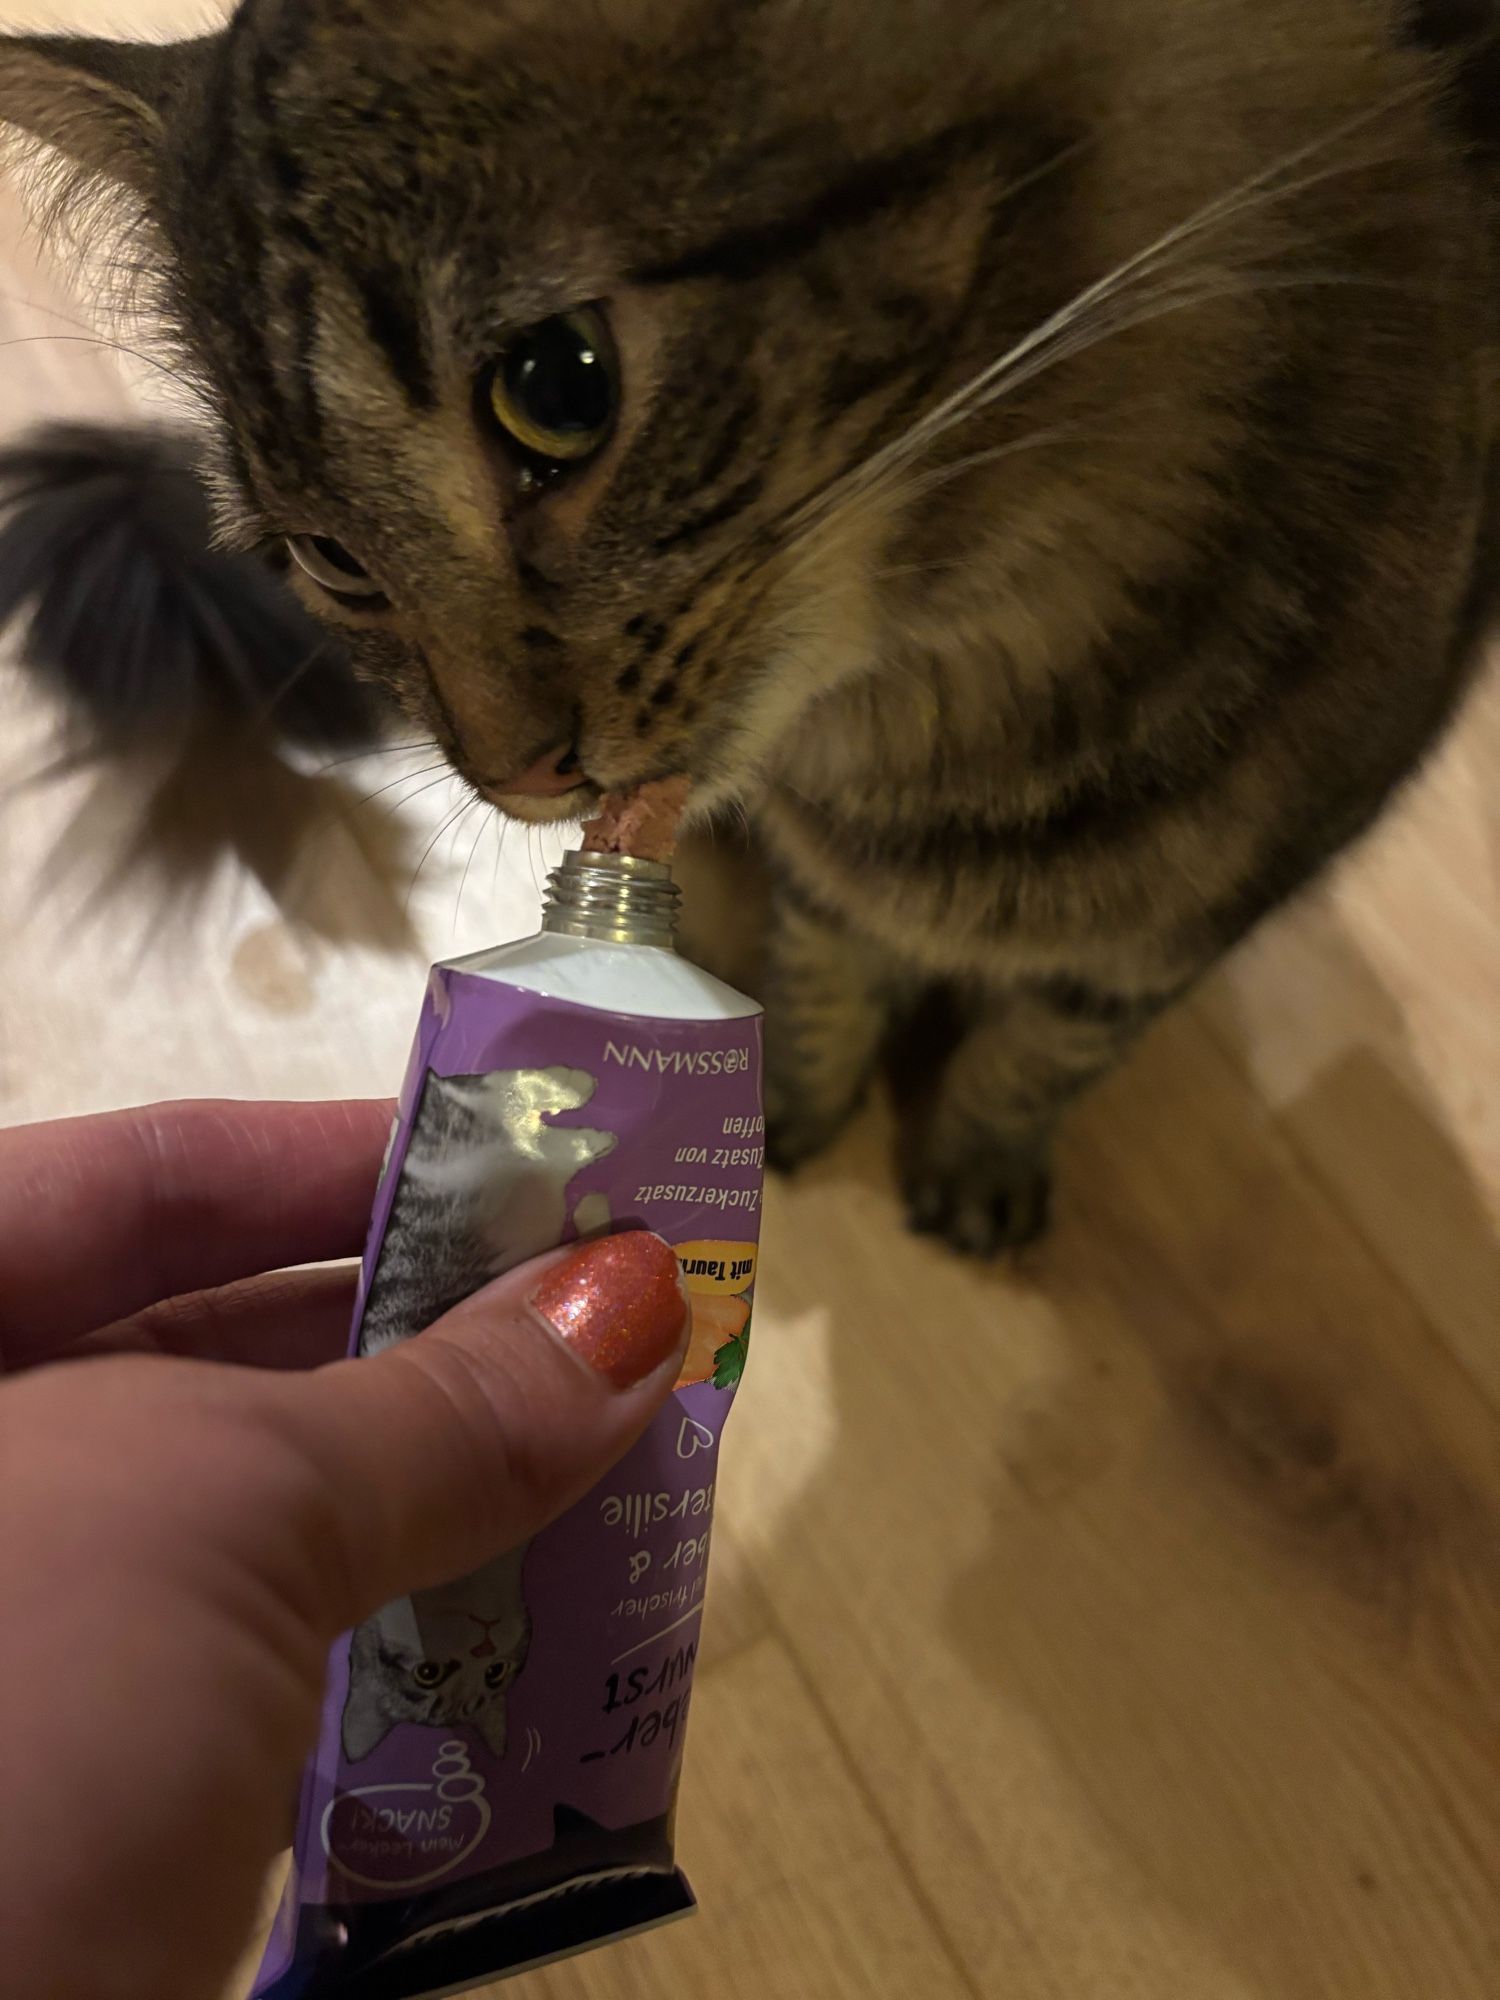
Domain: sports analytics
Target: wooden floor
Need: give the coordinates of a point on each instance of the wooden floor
(1126, 1628)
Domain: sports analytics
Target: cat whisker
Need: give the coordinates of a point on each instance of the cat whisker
(112, 346)
(27, 305)
(449, 820)
(266, 709)
(930, 482)
(531, 853)
(378, 750)
(1192, 289)
(1257, 191)
(462, 821)
(463, 883)
(1266, 186)
(443, 768)
(938, 476)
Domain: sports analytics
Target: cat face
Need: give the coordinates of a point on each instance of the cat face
(441, 1659)
(480, 1135)
(484, 1185)
(545, 336)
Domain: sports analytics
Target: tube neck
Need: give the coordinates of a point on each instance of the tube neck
(612, 899)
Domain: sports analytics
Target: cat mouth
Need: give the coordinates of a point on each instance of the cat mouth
(548, 809)
(582, 803)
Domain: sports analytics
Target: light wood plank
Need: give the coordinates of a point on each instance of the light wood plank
(1369, 1016)
(804, 1896)
(1161, 1595)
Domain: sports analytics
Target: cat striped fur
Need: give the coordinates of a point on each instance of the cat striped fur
(1053, 489)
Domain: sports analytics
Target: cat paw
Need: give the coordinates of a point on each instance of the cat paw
(793, 1140)
(983, 1200)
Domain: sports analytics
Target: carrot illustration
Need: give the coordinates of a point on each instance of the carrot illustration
(720, 1329)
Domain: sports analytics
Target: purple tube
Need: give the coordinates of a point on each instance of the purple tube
(497, 1766)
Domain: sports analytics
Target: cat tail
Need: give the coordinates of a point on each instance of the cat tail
(189, 681)
(131, 617)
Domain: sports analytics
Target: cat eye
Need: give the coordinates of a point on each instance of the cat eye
(330, 565)
(555, 389)
(427, 1673)
(496, 1676)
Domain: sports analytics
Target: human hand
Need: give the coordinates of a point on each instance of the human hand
(197, 1496)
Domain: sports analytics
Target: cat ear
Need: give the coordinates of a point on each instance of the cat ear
(592, 1217)
(103, 105)
(493, 1725)
(365, 1727)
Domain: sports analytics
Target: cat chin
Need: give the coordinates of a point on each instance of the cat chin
(579, 806)
(568, 808)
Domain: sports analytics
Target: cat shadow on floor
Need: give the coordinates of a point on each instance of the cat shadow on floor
(334, 863)
(1191, 1539)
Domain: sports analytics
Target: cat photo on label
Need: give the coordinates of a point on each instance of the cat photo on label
(484, 1187)
(442, 1659)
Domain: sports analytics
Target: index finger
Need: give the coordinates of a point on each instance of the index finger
(102, 1216)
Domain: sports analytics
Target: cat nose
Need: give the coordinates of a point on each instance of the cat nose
(556, 772)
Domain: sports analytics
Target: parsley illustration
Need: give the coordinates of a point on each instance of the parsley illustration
(729, 1360)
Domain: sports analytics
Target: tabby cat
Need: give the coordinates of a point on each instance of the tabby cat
(1038, 455)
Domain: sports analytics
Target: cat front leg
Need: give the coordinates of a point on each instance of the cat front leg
(977, 1172)
(829, 999)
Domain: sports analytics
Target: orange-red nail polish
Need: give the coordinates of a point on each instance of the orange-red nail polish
(618, 1303)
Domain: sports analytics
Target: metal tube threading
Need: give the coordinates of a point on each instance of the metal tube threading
(613, 899)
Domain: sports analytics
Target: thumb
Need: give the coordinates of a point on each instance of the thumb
(436, 1455)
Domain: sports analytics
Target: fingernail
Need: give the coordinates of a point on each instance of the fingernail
(618, 1303)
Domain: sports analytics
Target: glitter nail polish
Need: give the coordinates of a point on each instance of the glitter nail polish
(618, 1303)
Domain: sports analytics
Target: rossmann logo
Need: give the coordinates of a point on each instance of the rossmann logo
(677, 1062)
